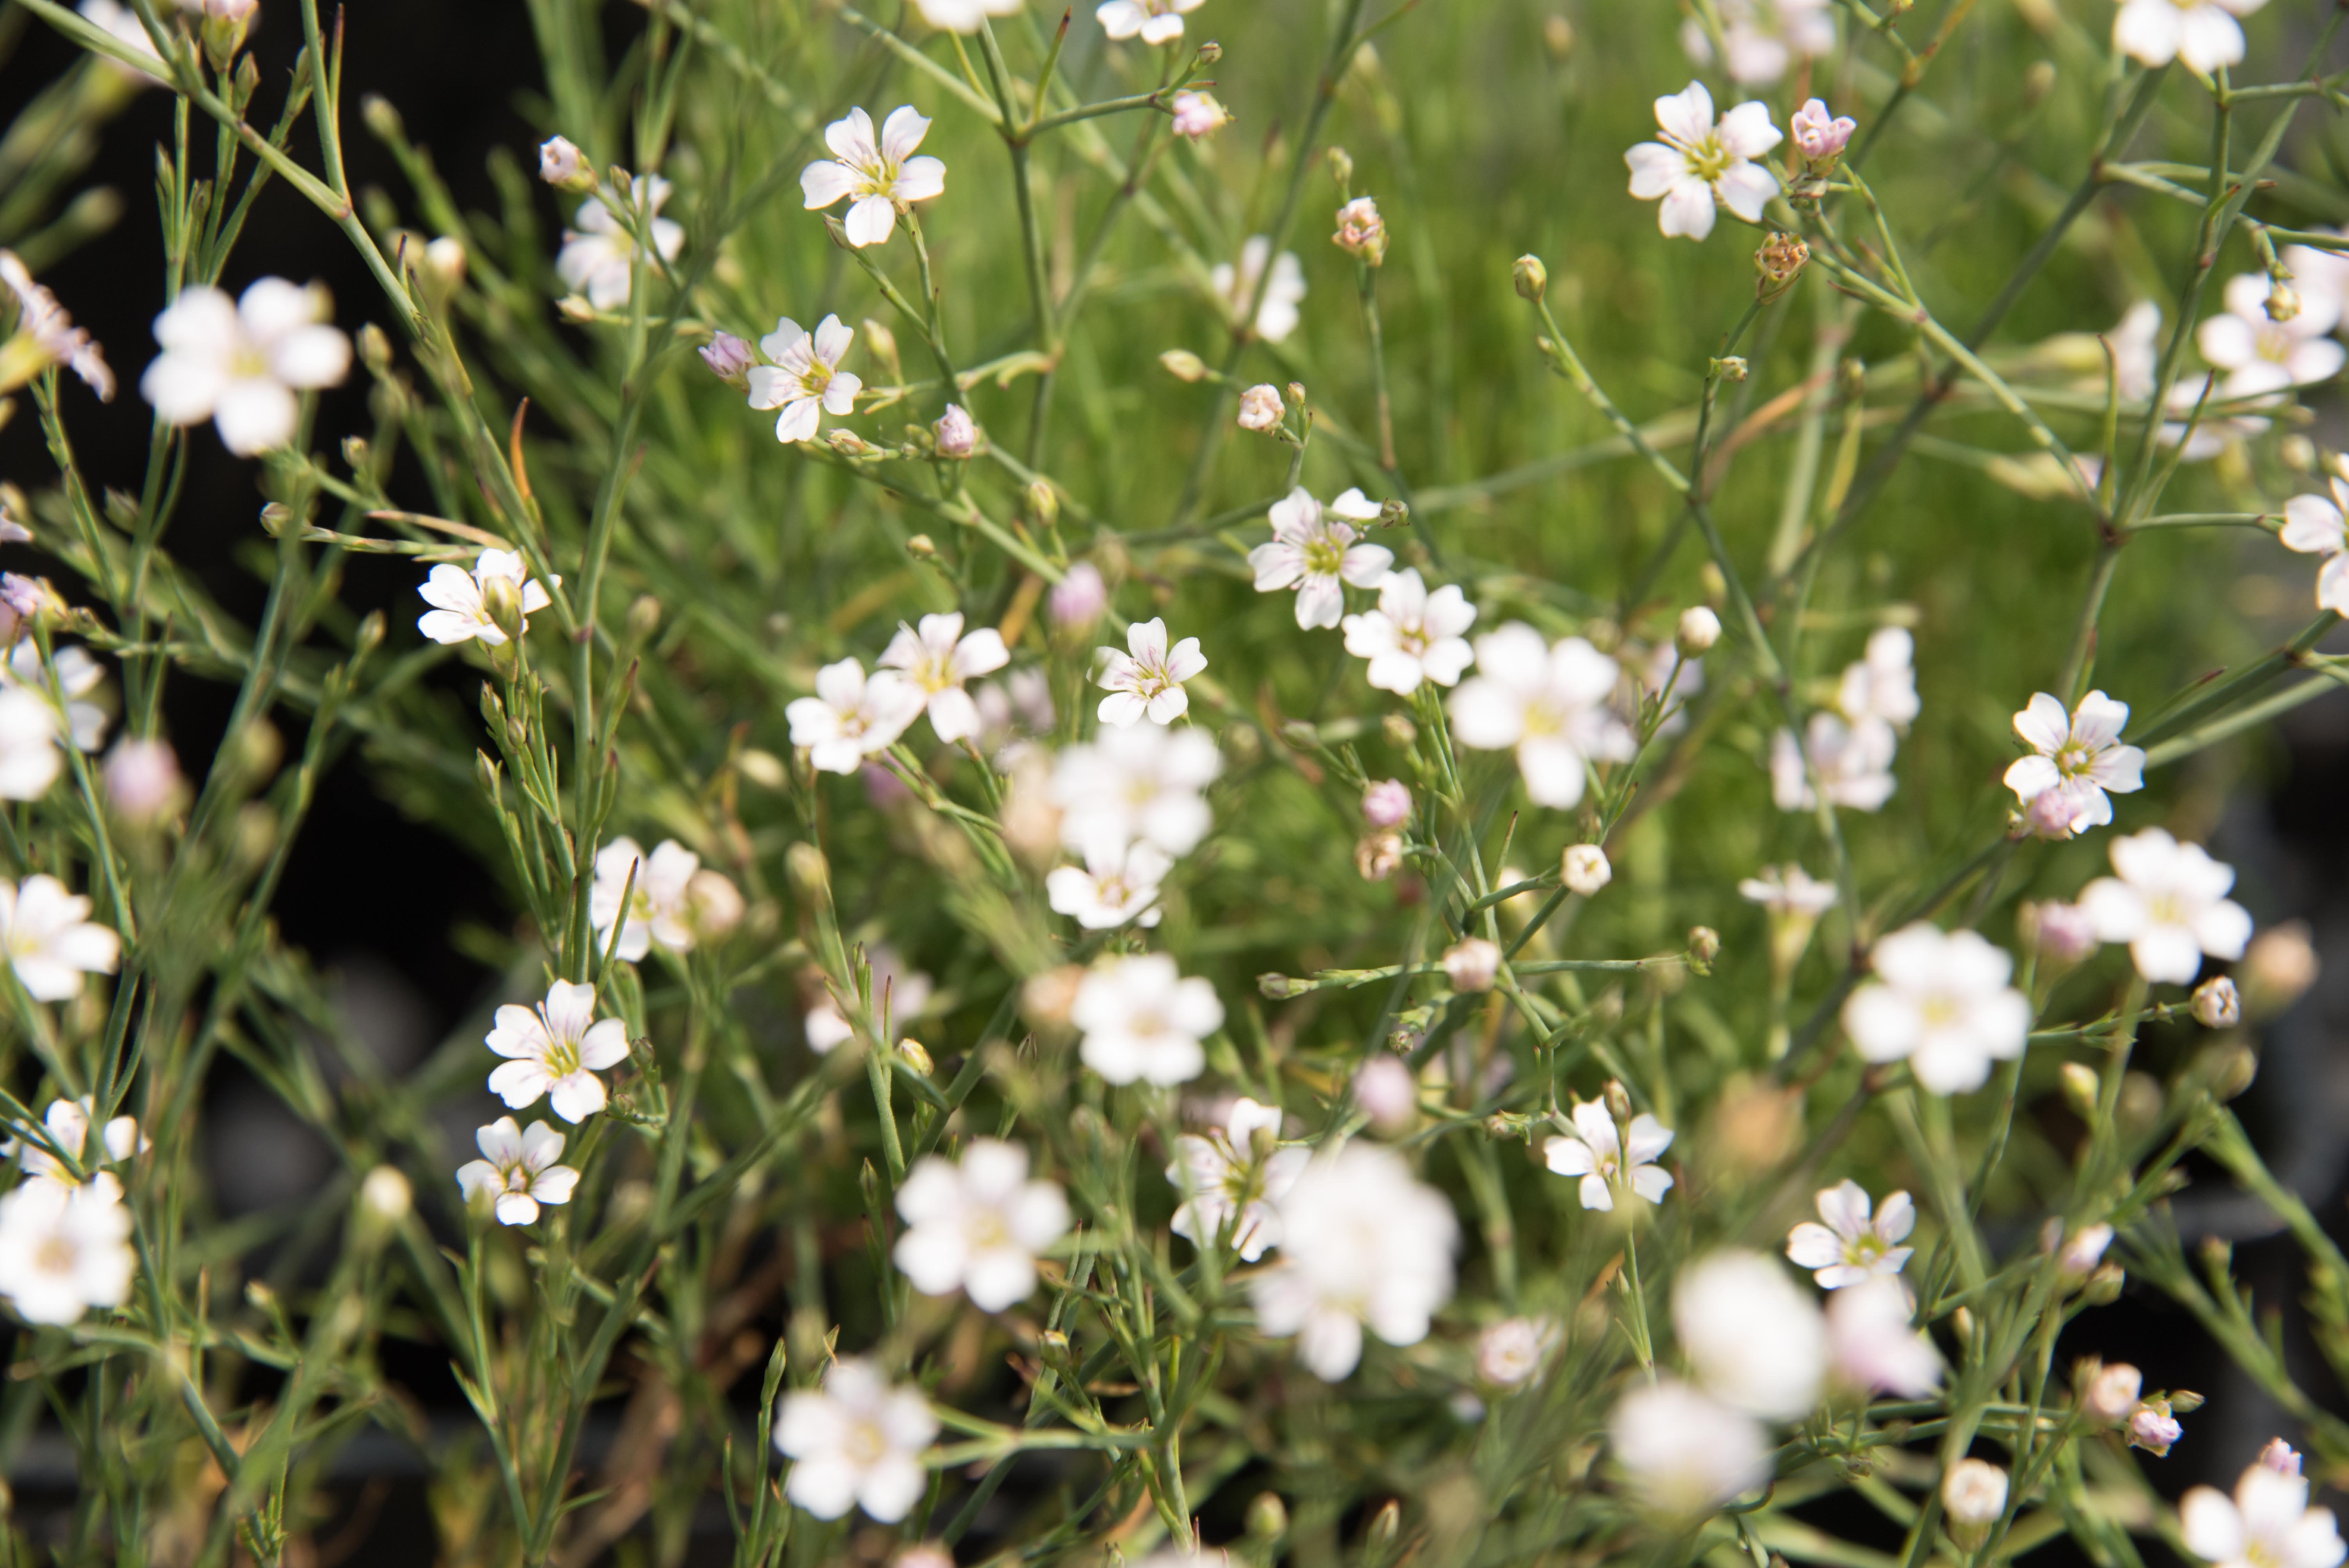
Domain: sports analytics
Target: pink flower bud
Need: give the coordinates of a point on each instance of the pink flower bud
(141, 777)
(2062, 931)
(1473, 964)
(729, 358)
(1260, 408)
(2112, 1394)
(1360, 231)
(957, 436)
(1819, 135)
(1078, 598)
(560, 162)
(1387, 803)
(2155, 1432)
(1385, 1091)
(1198, 114)
(2281, 1457)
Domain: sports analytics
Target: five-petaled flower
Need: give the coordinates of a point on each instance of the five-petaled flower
(517, 1170)
(599, 257)
(658, 908)
(855, 1442)
(1700, 162)
(46, 335)
(1146, 680)
(49, 940)
(1143, 782)
(1142, 1019)
(1939, 1001)
(555, 1049)
(1113, 886)
(2203, 33)
(1595, 1152)
(1363, 1242)
(1853, 1247)
(936, 659)
(1236, 1175)
(1153, 21)
(878, 178)
(1765, 36)
(805, 380)
(977, 1225)
(1313, 550)
(1547, 704)
(1276, 315)
(2260, 354)
(2170, 904)
(2078, 758)
(240, 363)
(2266, 1524)
(1413, 635)
(65, 1248)
(2315, 526)
(852, 717)
(461, 601)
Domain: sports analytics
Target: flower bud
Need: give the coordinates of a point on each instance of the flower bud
(1973, 1493)
(2111, 1393)
(2154, 1428)
(444, 264)
(1387, 803)
(1732, 368)
(562, 164)
(1341, 165)
(1532, 278)
(1183, 364)
(2080, 1089)
(1699, 629)
(142, 778)
(375, 348)
(809, 873)
(1261, 408)
(2277, 968)
(2038, 81)
(763, 769)
(1557, 37)
(1819, 135)
(729, 358)
(382, 120)
(1362, 232)
(2284, 301)
(1078, 599)
(2297, 453)
(1377, 855)
(2084, 1249)
(917, 1056)
(1386, 1524)
(1473, 964)
(1047, 999)
(1704, 946)
(386, 1195)
(713, 904)
(1399, 730)
(2279, 1456)
(1198, 115)
(1584, 870)
(1043, 503)
(848, 444)
(1394, 512)
(501, 602)
(1385, 1091)
(957, 436)
(1777, 265)
(1267, 1520)
(2062, 932)
(2217, 1005)
(1617, 1099)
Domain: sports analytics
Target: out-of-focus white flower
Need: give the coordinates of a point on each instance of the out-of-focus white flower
(1604, 1161)
(1145, 680)
(598, 258)
(1873, 1344)
(1697, 631)
(1684, 1454)
(2079, 757)
(656, 906)
(1198, 115)
(1754, 1339)
(2266, 1524)
(1141, 782)
(2081, 1252)
(805, 380)
(938, 659)
(2170, 904)
(1939, 1001)
(65, 1249)
(1765, 37)
(977, 1226)
(46, 335)
(1973, 1491)
(1013, 711)
(66, 1123)
(1853, 762)
(2315, 526)
(1141, 1018)
(1363, 1241)
(1512, 1351)
(1853, 1247)
(1153, 21)
(1881, 687)
(517, 1170)
(1362, 231)
(852, 716)
(2112, 1394)
(1313, 552)
(1111, 889)
(1585, 869)
(1547, 703)
(1819, 135)
(1385, 1091)
(122, 24)
(240, 363)
(2263, 356)
(1277, 317)
(1078, 599)
(877, 177)
(1387, 803)
(49, 939)
(1472, 964)
(143, 777)
(855, 1442)
(1236, 1176)
(2203, 33)
(1700, 162)
(555, 1049)
(1261, 408)
(461, 598)
(1413, 635)
(560, 162)
(76, 676)
(2154, 1428)
(2062, 932)
(963, 16)
(1789, 890)
(29, 758)
(905, 992)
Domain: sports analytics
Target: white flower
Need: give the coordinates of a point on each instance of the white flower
(877, 177)
(143, 777)
(1854, 764)
(65, 1249)
(518, 1170)
(1141, 1018)
(555, 1049)
(76, 675)
(1235, 1176)
(1363, 1242)
(1595, 1153)
(461, 598)
(1548, 705)
(963, 16)
(1765, 36)
(1146, 680)
(1754, 1339)
(1789, 890)
(2079, 757)
(2313, 526)
(851, 717)
(1686, 1454)
(1472, 964)
(1881, 687)
(1974, 1491)
(2266, 1524)
(1584, 870)
(2279, 1456)
(2112, 1394)
(599, 257)
(123, 25)
(977, 1226)
(2321, 276)
(1700, 162)
(1873, 1344)
(1314, 554)
(1275, 318)
(2081, 1252)
(2203, 33)
(1852, 1248)
(805, 380)
(1512, 1351)
(239, 363)
(29, 758)
(1941, 1000)
(938, 659)
(67, 1124)
(2170, 904)
(49, 940)
(45, 334)
(2263, 356)
(1143, 782)
(1111, 889)
(905, 992)
(1261, 408)
(1156, 21)
(1413, 635)
(855, 1442)
(657, 907)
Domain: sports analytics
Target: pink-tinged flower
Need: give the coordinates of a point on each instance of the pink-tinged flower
(1362, 232)
(1765, 37)
(977, 1226)
(1701, 163)
(855, 1442)
(2155, 1428)
(1385, 1091)
(48, 939)
(1874, 1346)
(2203, 33)
(1315, 553)
(517, 1170)
(46, 335)
(1236, 1175)
(2263, 356)
(1940, 1002)
(2080, 758)
(1387, 803)
(2170, 904)
(1853, 765)
(852, 717)
(1078, 599)
(1260, 408)
(2266, 1524)
(560, 162)
(240, 363)
(729, 358)
(2315, 526)
(956, 435)
(936, 660)
(460, 600)
(1153, 21)
(1605, 1162)
(2279, 1456)
(879, 178)
(1853, 1247)
(599, 258)
(1146, 680)
(805, 381)
(1547, 703)
(555, 1049)
(1278, 315)
(1818, 134)
(1198, 115)
(2062, 932)
(1413, 635)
